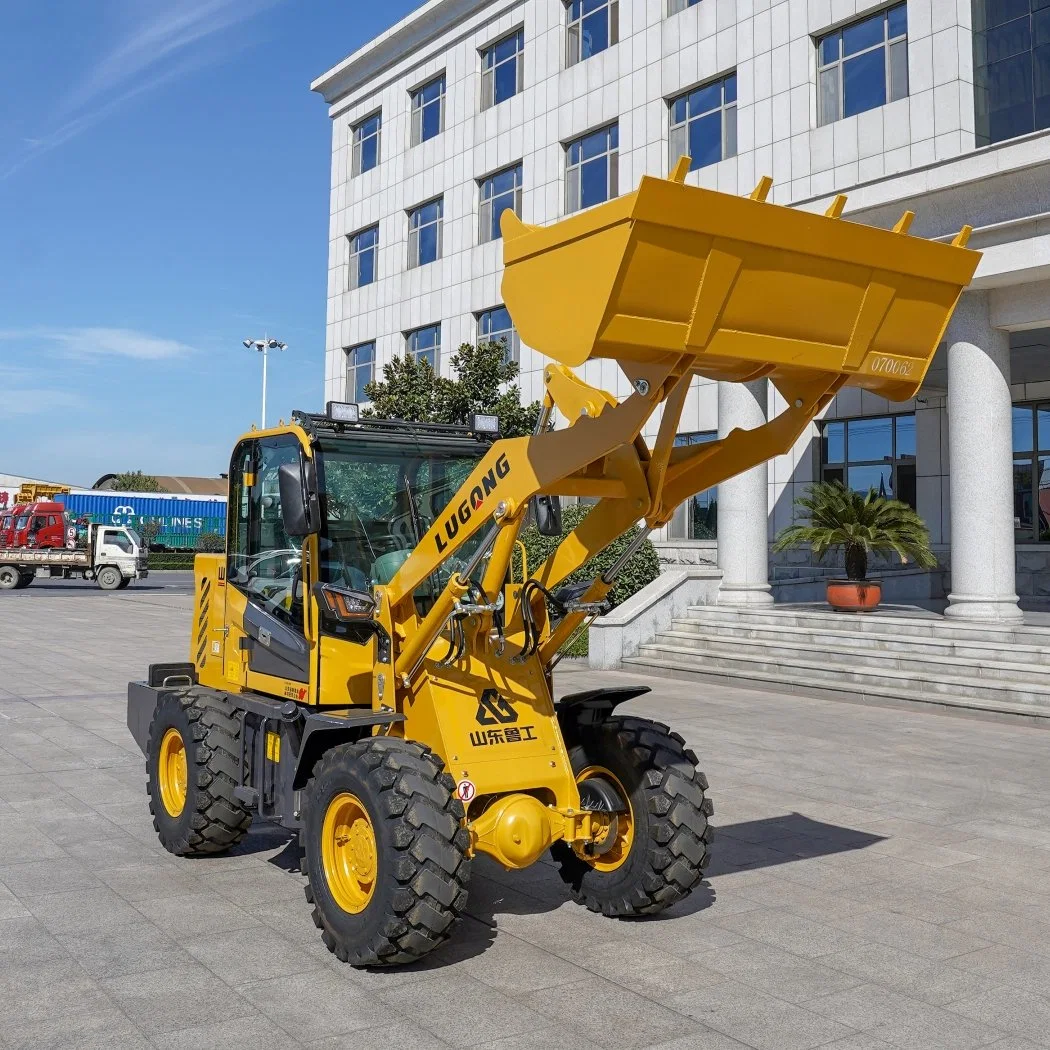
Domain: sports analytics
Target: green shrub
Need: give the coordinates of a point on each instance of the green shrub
(210, 543)
(641, 569)
(171, 560)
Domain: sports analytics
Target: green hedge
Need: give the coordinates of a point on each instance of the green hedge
(641, 569)
(171, 560)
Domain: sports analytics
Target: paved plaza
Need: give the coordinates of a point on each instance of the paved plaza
(881, 878)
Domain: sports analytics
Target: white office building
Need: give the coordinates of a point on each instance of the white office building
(467, 107)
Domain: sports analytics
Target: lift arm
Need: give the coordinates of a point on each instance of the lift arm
(673, 282)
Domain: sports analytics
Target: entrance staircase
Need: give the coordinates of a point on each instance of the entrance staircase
(900, 654)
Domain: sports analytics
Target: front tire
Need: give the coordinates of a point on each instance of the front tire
(191, 764)
(662, 844)
(109, 578)
(385, 851)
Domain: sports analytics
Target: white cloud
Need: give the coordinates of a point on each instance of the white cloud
(154, 47)
(100, 342)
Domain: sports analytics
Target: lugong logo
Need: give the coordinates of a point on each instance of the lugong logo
(474, 501)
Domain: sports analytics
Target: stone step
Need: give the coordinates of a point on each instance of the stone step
(763, 665)
(802, 685)
(844, 652)
(838, 636)
(884, 622)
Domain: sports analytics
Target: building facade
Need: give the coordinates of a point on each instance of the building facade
(468, 107)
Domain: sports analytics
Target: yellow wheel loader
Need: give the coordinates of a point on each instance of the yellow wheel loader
(365, 667)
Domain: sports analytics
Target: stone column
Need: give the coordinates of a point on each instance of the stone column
(980, 450)
(743, 505)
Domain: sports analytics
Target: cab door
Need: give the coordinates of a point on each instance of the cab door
(266, 580)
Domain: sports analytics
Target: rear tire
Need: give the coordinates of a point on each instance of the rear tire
(25, 580)
(210, 820)
(397, 888)
(109, 578)
(10, 578)
(670, 833)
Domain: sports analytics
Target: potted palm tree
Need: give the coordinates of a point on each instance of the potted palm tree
(838, 518)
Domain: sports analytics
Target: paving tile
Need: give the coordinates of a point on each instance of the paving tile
(936, 983)
(239, 1033)
(927, 939)
(82, 910)
(1010, 1009)
(451, 1004)
(758, 1020)
(118, 950)
(190, 915)
(253, 954)
(318, 1004)
(387, 1037)
(791, 932)
(998, 927)
(175, 997)
(902, 1021)
(41, 877)
(622, 1018)
(776, 972)
(148, 881)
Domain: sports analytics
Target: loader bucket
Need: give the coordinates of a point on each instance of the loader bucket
(743, 288)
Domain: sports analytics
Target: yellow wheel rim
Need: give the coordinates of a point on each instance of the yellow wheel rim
(171, 771)
(619, 824)
(349, 853)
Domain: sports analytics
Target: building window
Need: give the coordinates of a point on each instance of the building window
(424, 344)
(496, 326)
(872, 452)
(675, 6)
(863, 65)
(697, 518)
(424, 233)
(592, 164)
(498, 193)
(428, 110)
(593, 26)
(1011, 51)
(703, 124)
(360, 370)
(363, 251)
(366, 137)
(1031, 425)
(503, 69)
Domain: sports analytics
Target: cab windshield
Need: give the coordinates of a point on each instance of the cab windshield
(379, 499)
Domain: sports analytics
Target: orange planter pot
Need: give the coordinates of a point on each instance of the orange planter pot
(854, 595)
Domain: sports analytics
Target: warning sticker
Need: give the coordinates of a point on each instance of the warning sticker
(465, 790)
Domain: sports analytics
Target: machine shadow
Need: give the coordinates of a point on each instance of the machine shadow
(496, 894)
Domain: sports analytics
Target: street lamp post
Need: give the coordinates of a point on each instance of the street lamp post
(264, 345)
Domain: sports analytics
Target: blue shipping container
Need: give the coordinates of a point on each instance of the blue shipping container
(181, 518)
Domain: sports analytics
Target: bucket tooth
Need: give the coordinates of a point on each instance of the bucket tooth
(761, 191)
(681, 168)
(962, 238)
(835, 207)
(904, 222)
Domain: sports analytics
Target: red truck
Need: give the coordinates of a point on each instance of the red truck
(34, 525)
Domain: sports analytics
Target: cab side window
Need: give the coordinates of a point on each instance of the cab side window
(264, 562)
(116, 538)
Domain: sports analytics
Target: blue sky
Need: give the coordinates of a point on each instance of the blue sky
(164, 173)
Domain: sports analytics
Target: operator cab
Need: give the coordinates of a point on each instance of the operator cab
(380, 486)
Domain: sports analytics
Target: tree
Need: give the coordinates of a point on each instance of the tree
(210, 543)
(148, 529)
(859, 524)
(484, 382)
(135, 481)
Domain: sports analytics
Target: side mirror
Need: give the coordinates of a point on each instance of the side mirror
(298, 510)
(548, 515)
